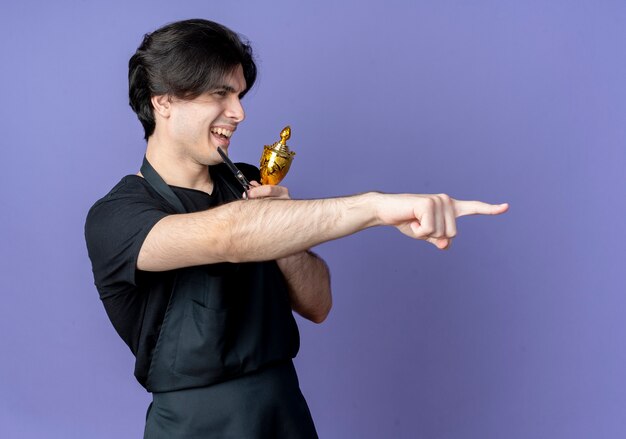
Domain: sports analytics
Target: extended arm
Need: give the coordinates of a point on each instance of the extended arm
(244, 230)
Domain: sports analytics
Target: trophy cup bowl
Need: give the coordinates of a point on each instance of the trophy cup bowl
(276, 159)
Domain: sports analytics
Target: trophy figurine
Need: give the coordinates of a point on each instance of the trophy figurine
(276, 159)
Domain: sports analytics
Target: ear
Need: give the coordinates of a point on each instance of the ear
(161, 105)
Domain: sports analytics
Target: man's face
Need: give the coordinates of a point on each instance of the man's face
(197, 127)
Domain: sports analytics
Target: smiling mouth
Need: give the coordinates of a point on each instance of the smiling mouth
(222, 133)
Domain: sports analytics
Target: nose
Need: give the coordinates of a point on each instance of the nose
(234, 110)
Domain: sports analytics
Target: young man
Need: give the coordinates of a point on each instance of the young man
(190, 274)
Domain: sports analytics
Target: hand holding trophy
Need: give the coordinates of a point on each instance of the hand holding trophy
(275, 162)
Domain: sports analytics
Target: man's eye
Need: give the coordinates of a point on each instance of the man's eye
(221, 93)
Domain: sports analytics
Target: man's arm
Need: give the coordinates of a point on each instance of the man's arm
(306, 274)
(308, 279)
(243, 230)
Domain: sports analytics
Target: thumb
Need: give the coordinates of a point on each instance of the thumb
(440, 243)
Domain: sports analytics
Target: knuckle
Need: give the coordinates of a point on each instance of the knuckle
(445, 198)
(252, 193)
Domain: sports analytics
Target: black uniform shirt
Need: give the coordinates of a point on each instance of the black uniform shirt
(136, 301)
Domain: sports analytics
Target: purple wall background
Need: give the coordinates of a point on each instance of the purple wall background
(516, 332)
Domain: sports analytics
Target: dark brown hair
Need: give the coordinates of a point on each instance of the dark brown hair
(184, 59)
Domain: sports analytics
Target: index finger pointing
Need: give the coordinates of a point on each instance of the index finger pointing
(464, 208)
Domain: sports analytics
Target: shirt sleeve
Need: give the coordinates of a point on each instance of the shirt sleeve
(115, 230)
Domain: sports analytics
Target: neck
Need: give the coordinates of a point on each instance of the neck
(177, 168)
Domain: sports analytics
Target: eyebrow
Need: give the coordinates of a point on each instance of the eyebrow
(227, 88)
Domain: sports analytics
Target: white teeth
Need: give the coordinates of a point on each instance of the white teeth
(224, 132)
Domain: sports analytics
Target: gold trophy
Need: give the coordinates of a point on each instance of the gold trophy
(276, 159)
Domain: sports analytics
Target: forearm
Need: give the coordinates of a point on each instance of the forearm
(308, 279)
(279, 228)
(265, 229)
(252, 230)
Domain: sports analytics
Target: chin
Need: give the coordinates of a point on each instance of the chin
(213, 158)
